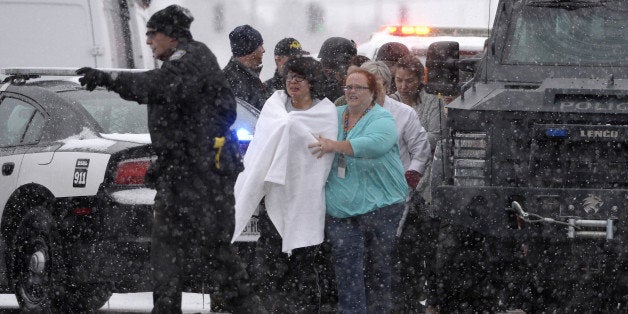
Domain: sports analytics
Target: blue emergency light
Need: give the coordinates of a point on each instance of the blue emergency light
(244, 134)
(556, 133)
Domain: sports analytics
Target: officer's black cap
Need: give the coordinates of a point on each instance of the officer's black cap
(289, 47)
(173, 21)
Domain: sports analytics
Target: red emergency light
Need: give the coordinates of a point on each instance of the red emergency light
(408, 30)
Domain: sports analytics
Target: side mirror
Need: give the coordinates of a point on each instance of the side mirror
(442, 68)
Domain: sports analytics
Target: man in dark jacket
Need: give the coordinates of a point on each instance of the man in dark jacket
(335, 54)
(242, 71)
(190, 110)
(284, 50)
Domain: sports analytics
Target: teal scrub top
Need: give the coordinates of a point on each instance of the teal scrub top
(374, 176)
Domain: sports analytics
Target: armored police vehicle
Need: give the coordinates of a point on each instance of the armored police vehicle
(532, 171)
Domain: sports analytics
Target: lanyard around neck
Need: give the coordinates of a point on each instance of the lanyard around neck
(345, 118)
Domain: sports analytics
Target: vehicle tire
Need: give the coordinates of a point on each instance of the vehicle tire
(30, 261)
(31, 266)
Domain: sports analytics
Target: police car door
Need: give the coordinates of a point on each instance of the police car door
(20, 126)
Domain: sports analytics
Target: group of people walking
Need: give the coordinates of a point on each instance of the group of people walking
(339, 182)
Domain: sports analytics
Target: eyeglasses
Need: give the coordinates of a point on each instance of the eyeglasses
(354, 87)
(294, 77)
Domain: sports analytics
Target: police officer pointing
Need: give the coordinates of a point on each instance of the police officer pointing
(190, 110)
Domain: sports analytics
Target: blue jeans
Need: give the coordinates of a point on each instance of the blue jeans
(362, 250)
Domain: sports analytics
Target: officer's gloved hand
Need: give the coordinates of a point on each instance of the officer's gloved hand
(413, 178)
(92, 78)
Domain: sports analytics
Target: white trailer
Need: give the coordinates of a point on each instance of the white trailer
(73, 33)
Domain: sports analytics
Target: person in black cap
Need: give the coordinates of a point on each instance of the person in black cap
(334, 55)
(243, 70)
(190, 110)
(390, 53)
(285, 49)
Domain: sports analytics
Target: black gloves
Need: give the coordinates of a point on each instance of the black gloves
(92, 78)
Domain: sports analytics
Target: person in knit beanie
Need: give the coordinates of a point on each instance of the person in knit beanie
(242, 71)
(244, 40)
(173, 21)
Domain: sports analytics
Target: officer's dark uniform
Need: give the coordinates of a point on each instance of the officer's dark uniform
(189, 104)
(332, 89)
(275, 83)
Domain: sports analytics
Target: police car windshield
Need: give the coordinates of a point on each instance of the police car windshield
(580, 36)
(112, 113)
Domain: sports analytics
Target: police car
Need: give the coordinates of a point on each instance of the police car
(419, 37)
(75, 214)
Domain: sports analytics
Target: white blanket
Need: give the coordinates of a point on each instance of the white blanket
(278, 165)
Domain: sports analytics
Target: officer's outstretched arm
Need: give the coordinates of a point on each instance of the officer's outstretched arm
(93, 78)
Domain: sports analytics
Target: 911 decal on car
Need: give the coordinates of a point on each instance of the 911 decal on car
(80, 173)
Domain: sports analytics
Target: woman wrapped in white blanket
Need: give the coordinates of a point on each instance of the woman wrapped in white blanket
(280, 168)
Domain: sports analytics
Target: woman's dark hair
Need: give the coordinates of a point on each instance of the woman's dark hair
(413, 64)
(371, 81)
(309, 68)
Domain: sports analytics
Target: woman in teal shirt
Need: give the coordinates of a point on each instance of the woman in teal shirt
(365, 192)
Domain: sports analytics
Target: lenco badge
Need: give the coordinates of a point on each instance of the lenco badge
(592, 203)
(80, 173)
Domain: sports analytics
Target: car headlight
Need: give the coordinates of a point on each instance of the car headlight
(469, 158)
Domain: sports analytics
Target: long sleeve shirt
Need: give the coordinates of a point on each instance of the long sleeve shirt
(414, 148)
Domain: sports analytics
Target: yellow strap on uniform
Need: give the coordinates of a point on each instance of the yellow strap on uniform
(219, 142)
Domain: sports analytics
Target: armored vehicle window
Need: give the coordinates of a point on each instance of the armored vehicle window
(112, 113)
(561, 36)
(15, 116)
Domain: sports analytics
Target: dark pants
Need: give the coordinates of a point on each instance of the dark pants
(190, 248)
(413, 260)
(286, 284)
(327, 277)
(362, 247)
